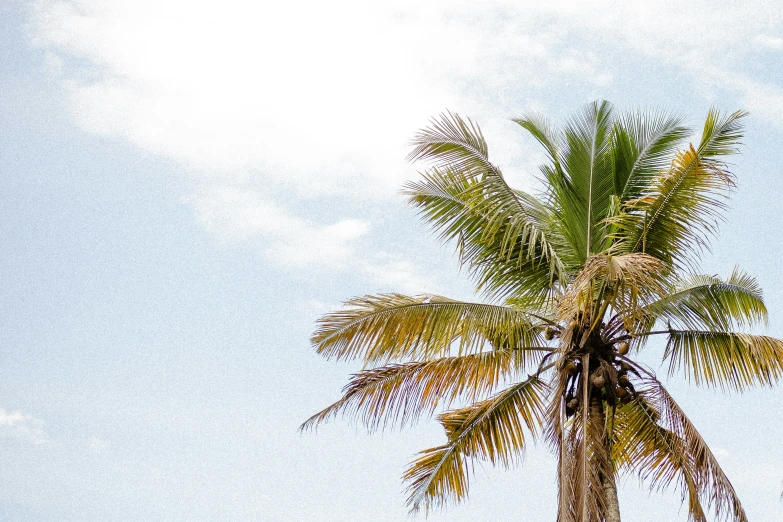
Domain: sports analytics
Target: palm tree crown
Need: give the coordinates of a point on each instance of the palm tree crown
(576, 280)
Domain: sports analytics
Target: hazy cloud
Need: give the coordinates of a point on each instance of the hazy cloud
(390, 273)
(15, 424)
(291, 241)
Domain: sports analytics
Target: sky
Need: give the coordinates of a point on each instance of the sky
(188, 185)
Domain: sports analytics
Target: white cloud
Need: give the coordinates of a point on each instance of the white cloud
(237, 214)
(331, 89)
(290, 240)
(316, 91)
(721, 452)
(314, 98)
(320, 89)
(16, 424)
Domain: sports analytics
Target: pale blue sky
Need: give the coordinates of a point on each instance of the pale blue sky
(188, 185)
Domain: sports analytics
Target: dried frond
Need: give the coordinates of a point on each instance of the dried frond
(588, 466)
(657, 455)
(621, 282)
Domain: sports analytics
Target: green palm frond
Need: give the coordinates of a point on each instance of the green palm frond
(503, 234)
(384, 327)
(400, 393)
(454, 143)
(493, 429)
(678, 214)
(642, 146)
(721, 135)
(705, 302)
(541, 130)
(725, 359)
(580, 192)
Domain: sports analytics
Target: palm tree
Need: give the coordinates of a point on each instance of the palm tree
(576, 280)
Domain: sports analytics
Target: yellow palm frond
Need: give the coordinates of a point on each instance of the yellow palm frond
(493, 429)
(657, 455)
(677, 215)
(686, 452)
(400, 393)
(725, 359)
(385, 327)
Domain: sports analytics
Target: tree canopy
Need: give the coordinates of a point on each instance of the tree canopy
(575, 280)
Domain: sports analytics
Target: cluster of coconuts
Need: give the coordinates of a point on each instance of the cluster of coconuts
(611, 381)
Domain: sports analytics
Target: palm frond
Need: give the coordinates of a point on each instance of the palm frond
(541, 130)
(384, 327)
(721, 135)
(655, 454)
(725, 359)
(503, 234)
(580, 191)
(715, 489)
(400, 393)
(493, 429)
(705, 302)
(454, 143)
(592, 266)
(675, 218)
(620, 282)
(642, 146)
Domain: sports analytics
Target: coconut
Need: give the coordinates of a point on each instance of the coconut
(549, 333)
(573, 403)
(598, 380)
(621, 392)
(623, 380)
(571, 368)
(623, 348)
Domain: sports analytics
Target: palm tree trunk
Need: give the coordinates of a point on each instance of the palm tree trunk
(607, 477)
(612, 504)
